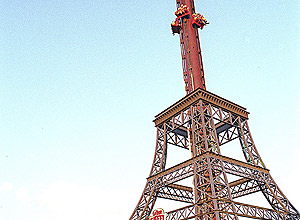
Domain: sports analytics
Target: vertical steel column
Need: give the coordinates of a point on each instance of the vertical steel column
(210, 183)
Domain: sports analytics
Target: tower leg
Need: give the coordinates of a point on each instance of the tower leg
(270, 190)
(148, 198)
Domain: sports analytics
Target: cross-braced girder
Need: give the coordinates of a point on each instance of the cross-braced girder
(226, 211)
(176, 192)
(238, 188)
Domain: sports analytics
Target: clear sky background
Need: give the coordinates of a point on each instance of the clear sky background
(81, 81)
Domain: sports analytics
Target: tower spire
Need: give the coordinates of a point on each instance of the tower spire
(192, 64)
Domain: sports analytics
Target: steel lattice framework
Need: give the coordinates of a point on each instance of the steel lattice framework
(202, 122)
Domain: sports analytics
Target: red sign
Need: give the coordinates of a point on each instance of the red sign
(158, 214)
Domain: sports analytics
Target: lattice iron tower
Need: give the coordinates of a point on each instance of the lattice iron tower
(201, 123)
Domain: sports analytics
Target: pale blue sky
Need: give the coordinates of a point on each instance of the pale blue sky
(81, 81)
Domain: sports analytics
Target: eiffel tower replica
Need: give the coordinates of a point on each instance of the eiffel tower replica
(202, 122)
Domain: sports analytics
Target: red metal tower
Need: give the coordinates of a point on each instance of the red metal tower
(193, 72)
(202, 123)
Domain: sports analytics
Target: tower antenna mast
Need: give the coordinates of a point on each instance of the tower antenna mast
(186, 25)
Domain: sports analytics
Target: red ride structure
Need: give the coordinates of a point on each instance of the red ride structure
(202, 123)
(193, 72)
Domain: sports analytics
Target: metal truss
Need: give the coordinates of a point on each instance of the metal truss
(180, 193)
(244, 187)
(225, 211)
(176, 192)
(202, 122)
(231, 166)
